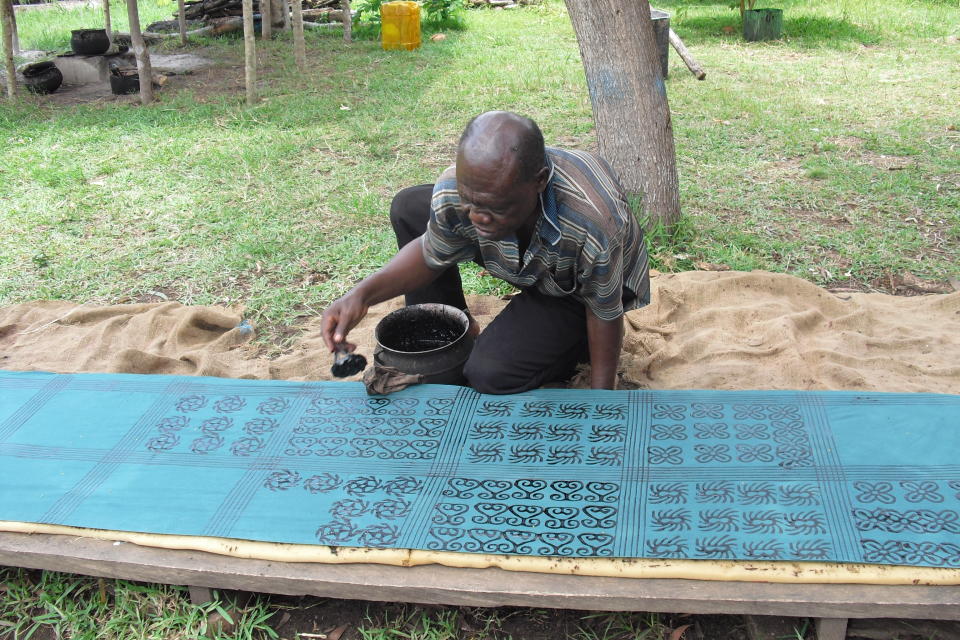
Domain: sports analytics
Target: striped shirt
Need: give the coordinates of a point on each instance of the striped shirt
(586, 243)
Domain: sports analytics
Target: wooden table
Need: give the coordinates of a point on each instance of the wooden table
(831, 605)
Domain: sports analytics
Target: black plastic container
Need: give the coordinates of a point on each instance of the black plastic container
(89, 42)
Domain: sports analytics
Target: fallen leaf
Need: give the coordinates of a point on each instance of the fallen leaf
(336, 633)
(677, 633)
(437, 37)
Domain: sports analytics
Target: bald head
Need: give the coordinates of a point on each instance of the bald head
(505, 140)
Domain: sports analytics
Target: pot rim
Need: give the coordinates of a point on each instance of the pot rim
(84, 31)
(428, 306)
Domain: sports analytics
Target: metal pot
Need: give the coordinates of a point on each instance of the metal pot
(123, 83)
(426, 339)
(42, 77)
(89, 42)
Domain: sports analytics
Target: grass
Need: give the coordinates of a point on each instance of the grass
(831, 155)
(48, 27)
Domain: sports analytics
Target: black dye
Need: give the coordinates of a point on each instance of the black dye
(347, 364)
(427, 333)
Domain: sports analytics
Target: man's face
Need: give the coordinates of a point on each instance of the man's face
(497, 201)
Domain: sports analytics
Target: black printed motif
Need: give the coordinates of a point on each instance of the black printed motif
(168, 437)
(810, 550)
(191, 403)
(719, 520)
(607, 433)
(705, 410)
(919, 521)
(668, 432)
(763, 550)
(719, 492)
(717, 547)
(495, 408)
(489, 430)
(938, 554)
(670, 520)
(675, 547)
(752, 493)
(609, 412)
(323, 483)
(925, 491)
(712, 453)
(537, 410)
(664, 455)
(229, 404)
(669, 411)
(211, 440)
(273, 406)
(672, 493)
(799, 495)
(282, 480)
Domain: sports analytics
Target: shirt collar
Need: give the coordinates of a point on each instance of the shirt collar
(548, 204)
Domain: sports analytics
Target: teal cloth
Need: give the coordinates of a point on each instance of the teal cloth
(777, 475)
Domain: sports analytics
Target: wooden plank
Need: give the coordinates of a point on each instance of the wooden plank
(474, 587)
(831, 628)
(200, 595)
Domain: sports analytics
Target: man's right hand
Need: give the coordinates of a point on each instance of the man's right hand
(406, 272)
(339, 318)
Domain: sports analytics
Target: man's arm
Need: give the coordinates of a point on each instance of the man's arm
(605, 338)
(406, 271)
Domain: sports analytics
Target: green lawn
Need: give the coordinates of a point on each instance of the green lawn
(833, 155)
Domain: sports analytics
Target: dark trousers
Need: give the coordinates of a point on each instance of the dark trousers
(536, 339)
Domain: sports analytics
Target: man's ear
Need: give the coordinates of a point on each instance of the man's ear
(543, 177)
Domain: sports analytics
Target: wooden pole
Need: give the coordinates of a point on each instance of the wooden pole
(347, 21)
(182, 22)
(144, 68)
(106, 20)
(687, 57)
(266, 20)
(250, 52)
(6, 21)
(286, 15)
(299, 44)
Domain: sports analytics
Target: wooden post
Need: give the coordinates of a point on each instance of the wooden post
(250, 52)
(6, 21)
(140, 52)
(106, 20)
(266, 20)
(685, 54)
(286, 15)
(347, 21)
(182, 22)
(299, 45)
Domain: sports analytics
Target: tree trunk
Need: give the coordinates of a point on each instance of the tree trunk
(286, 15)
(144, 69)
(277, 7)
(181, 22)
(6, 21)
(15, 30)
(299, 45)
(266, 19)
(250, 52)
(347, 21)
(629, 98)
(106, 20)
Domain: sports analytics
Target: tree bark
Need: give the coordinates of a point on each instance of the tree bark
(266, 19)
(299, 44)
(347, 21)
(106, 20)
(6, 21)
(15, 30)
(629, 99)
(286, 15)
(181, 22)
(250, 52)
(144, 69)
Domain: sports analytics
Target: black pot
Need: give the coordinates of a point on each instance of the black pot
(89, 42)
(427, 339)
(42, 78)
(121, 84)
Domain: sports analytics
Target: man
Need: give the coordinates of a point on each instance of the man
(553, 223)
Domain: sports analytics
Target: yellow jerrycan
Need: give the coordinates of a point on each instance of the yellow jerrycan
(400, 25)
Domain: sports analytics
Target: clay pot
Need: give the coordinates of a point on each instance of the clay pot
(42, 78)
(426, 339)
(89, 42)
